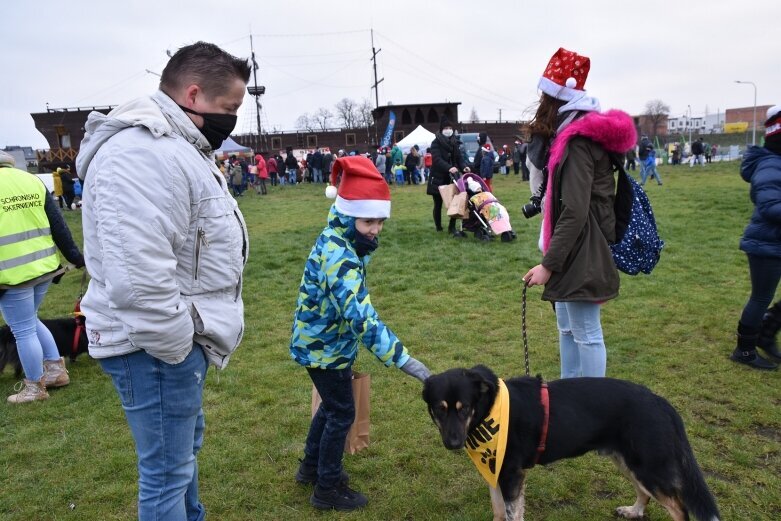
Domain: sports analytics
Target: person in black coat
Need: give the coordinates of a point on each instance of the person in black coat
(758, 325)
(68, 192)
(411, 164)
(447, 163)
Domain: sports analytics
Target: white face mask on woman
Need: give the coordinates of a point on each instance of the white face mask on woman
(447, 132)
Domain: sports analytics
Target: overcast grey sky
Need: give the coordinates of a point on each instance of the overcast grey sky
(313, 53)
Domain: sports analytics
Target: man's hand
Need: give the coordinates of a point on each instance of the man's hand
(453, 170)
(537, 276)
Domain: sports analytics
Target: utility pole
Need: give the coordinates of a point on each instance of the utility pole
(256, 91)
(500, 115)
(376, 81)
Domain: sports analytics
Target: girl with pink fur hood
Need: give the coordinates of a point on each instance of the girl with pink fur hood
(577, 267)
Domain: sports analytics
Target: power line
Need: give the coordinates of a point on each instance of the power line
(430, 78)
(305, 35)
(447, 71)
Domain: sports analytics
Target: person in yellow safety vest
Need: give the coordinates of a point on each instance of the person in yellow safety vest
(30, 227)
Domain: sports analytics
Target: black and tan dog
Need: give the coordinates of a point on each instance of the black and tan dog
(639, 430)
(64, 333)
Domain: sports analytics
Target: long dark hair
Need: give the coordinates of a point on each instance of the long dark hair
(544, 121)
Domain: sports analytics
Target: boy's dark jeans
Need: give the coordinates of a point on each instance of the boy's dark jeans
(325, 442)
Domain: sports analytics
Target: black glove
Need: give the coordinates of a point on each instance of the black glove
(416, 368)
(79, 263)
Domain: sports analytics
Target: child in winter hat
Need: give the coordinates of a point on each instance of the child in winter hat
(333, 316)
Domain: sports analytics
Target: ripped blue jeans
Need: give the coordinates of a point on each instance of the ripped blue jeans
(581, 344)
(162, 404)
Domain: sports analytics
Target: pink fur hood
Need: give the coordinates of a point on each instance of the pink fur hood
(613, 130)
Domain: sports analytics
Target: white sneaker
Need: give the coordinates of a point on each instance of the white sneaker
(28, 391)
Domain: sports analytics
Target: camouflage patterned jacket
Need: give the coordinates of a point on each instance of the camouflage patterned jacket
(334, 311)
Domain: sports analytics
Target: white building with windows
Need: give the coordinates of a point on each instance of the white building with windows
(683, 124)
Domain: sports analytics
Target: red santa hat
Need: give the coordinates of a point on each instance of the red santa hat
(773, 121)
(362, 190)
(565, 76)
(487, 147)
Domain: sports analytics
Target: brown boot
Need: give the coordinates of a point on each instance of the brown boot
(55, 374)
(29, 391)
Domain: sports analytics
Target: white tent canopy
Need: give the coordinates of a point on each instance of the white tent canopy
(229, 147)
(420, 136)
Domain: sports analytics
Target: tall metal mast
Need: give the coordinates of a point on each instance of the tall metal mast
(257, 91)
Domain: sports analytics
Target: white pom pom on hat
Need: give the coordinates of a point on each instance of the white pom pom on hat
(362, 191)
(330, 192)
(571, 82)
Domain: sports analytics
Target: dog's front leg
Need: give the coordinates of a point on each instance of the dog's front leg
(497, 504)
(514, 508)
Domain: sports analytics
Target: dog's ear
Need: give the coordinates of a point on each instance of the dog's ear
(485, 380)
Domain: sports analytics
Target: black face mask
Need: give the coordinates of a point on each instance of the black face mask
(364, 245)
(216, 127)
(773, 143)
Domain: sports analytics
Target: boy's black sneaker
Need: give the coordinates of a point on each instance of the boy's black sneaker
(307, 475)
(752, 359)
(341, 497)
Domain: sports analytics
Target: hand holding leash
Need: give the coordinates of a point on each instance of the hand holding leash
(415, 368)
(537, 276)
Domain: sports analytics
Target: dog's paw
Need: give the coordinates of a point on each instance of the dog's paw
(630, 512)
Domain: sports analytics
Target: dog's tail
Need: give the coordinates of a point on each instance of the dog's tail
(695, 493)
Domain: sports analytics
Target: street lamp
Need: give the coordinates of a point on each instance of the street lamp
(754, 129)
(689, 122)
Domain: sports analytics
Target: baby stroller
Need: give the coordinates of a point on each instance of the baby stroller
(487, 217)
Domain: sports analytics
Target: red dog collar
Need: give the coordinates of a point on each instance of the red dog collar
(545, 401)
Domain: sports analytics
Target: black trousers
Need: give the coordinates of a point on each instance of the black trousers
(451, 227)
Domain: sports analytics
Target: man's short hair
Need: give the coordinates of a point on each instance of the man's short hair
(205, 65)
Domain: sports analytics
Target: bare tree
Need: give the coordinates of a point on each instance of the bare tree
(656, 112)
(347, 113)
(322, 118)
(473, 118)
(305, 122)
(365, 118)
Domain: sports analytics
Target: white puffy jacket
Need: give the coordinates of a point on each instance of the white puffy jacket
(164, 241)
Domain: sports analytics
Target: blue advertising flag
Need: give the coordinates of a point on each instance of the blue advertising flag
(386, 138)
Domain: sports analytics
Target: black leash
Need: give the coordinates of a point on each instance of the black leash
(523, 329)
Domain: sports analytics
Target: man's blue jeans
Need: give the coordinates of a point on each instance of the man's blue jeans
(34, 342)
(292, 175)
(581, 344)
(162, 404)
(325, 442)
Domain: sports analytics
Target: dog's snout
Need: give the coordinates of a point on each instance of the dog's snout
(454, 443)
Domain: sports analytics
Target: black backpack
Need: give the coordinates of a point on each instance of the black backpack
(638, 246)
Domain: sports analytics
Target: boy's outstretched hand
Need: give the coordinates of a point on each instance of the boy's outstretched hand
(415, 367)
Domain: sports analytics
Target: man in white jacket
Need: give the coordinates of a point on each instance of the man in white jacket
(166, 245)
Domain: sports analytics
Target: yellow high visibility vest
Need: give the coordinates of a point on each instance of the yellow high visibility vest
(27, 249)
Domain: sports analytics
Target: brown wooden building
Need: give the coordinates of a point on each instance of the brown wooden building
(63, 130)
(363, 139)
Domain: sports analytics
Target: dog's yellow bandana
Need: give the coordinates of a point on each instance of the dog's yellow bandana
(487, 442)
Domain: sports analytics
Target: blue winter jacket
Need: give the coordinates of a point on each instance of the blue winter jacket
(334, 311)
(762, 168)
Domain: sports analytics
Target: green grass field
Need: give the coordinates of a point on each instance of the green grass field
(453, 303)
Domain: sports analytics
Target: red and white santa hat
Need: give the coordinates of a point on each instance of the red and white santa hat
(487, 147)
(362, 190)
(773, 121)
(565, 76)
